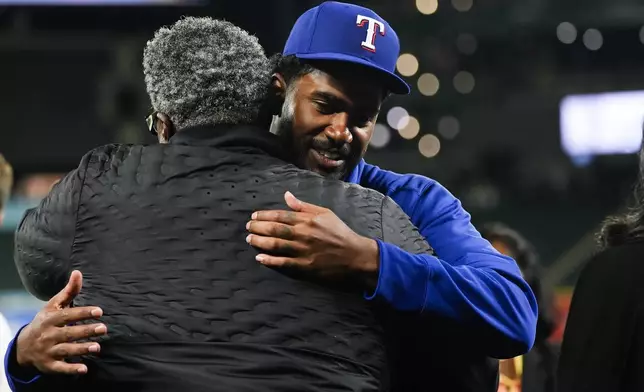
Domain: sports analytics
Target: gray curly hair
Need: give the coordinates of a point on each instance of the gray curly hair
(202, 71)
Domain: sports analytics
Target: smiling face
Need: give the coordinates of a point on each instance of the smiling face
(328, 118)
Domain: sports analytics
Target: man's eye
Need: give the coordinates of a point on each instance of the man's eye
(324, 108)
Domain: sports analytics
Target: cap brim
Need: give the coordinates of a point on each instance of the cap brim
(393, 82)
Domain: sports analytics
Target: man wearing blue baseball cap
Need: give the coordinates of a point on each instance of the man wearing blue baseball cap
(461, 308)
(456, 310)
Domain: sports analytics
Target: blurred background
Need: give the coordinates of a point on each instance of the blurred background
(529, 111)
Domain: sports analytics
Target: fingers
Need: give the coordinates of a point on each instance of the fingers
(273, 261)
(287, 217)
(68, 350)
(274, 245)
(78, 332)
(67, 316)
(67, 368)
(294, 203)
(300, 206)
(271, 229)
(69, 292)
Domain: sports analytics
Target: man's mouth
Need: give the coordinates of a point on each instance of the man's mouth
(329, 160)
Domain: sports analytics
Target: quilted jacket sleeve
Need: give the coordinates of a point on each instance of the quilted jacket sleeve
(44, 238)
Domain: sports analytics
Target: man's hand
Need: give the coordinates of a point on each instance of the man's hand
(314, 239)
(49, 338)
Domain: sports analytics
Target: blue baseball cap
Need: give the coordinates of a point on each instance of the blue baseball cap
(348, 32)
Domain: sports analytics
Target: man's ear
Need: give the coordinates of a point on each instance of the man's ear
(278, 93)
(165, 127)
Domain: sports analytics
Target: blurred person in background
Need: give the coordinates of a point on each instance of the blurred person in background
(603, 343)
(6, 183)
(158, 232)
(534, 371)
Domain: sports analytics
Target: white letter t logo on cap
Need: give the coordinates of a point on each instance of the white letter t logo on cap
(370, 42)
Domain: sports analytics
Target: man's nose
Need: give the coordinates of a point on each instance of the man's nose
(338, 130)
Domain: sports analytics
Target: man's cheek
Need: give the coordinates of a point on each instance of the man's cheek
(362, 149)
(361, 141)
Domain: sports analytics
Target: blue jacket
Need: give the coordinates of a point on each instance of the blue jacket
(470, 281)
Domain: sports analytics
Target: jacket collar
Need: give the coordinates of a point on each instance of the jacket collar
(232, 137)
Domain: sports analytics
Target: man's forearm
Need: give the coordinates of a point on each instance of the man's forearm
(491, 300)
(471, 282)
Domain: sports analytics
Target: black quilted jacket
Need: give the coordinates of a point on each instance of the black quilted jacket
(158, 232)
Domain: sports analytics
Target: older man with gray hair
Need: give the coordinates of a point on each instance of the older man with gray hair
(159, 235)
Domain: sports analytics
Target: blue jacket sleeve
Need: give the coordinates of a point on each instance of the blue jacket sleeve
(469, 280)
(20, 379)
